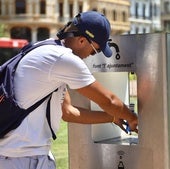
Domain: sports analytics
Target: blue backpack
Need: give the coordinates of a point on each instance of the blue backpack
(11, 115)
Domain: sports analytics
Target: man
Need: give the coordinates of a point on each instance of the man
(48, 67)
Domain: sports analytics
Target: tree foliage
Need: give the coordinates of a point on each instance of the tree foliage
(3, 31)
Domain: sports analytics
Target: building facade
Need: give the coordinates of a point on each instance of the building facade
(145, 16)
(40, 19)
(156, 15)
(165, 15)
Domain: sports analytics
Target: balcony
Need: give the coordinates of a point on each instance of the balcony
(27, 18)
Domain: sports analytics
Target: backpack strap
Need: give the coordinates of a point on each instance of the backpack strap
(7, 71)
(15, 60)
(24, 51)
(48, 115)
(32, 46)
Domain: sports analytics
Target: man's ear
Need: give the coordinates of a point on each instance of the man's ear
(82, 40)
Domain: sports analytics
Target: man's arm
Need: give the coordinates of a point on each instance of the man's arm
(114, 109)
(81, 115)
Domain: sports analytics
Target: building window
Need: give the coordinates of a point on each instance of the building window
(136, 10)
(150, 15)
(71, 10)
(42, 7)
(20, 6)
(80, 8)
(43, 33)
(21, 33)
(123, 16)
(104, 11)
(144, 11)
(155, 10)
(137, 30)
(94, 9)
(61, 9)
(166, 7)
(114, 15)
(167, 25)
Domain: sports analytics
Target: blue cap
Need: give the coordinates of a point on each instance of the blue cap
(95, 27)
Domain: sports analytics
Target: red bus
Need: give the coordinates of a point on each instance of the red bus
(10, 47)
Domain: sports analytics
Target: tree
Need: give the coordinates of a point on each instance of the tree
(3, 31)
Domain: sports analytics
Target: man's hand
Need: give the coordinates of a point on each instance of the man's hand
(127, 126)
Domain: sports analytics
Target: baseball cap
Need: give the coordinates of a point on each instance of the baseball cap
(95, 26)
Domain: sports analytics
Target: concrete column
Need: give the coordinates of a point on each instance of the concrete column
(75, 7)
(3, 11)
(86, 5)
(49, 8)
(37, 7)
(66, 10)
(1, 7)
(56, 8)
(30, 7)
(34, 34)
(53, 31)
(11, 7)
